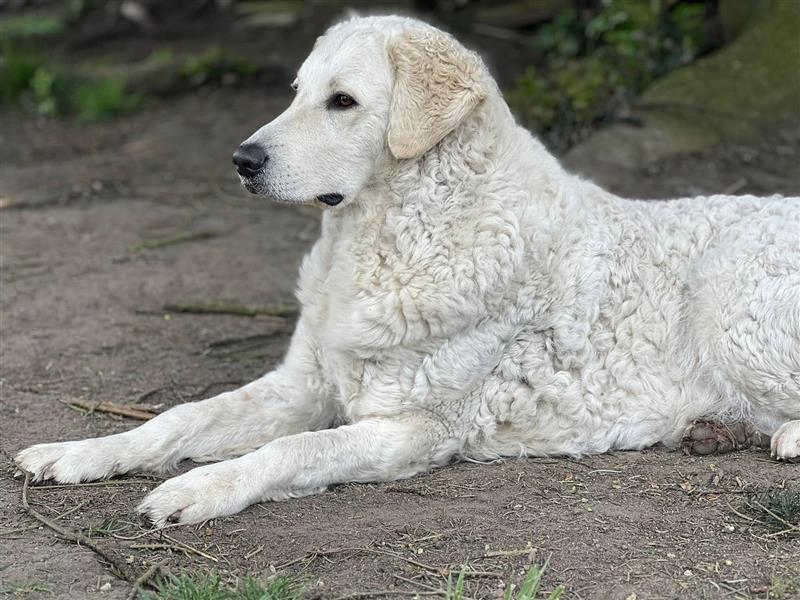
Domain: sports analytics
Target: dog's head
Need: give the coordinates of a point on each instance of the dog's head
(373, 90)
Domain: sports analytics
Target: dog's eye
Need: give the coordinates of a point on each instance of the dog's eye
(342, 101)
(295, 85)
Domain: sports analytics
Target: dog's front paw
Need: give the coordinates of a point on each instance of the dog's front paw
(785, 443)
(196, 496)
(71, 462)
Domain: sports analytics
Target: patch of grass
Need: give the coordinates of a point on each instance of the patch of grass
(778, 508)
(216, 66)
(107, 527)
(780, 588)
(211, 587)
(29, 80)
(595, 62)
(53, 89)
(17, 589)
(17, 70)
(103, 99)
(529, 590)
(30, 25)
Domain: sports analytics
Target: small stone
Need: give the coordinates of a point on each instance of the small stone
(105, 587)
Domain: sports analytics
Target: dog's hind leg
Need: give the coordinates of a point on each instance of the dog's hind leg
(707, 436)
(376, 449)
(743, 316)
(288, 400)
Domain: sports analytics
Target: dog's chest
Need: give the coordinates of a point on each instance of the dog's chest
(334, 305)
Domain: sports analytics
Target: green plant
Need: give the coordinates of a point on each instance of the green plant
(30, 25)
(50, 90)
(211, 587)
(529, 589)
(103, 99)
(780, 587)
(778, 508)
(17, 70)
(107, 527)
(595, 62)
(455, 592)
(14, 588)
(214, 65)
(531, 584)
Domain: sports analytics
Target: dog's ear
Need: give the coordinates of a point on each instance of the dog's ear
(437, 84)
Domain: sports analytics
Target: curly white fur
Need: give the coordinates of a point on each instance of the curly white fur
(469, 298)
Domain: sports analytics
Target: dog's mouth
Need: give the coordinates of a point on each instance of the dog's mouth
(256, 182)
(252, 185)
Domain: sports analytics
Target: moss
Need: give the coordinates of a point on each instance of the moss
(750, 84)
(597, 61)
(733, 95)
(736, 15)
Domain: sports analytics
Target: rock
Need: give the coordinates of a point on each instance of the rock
(733, 95)
(736, 15)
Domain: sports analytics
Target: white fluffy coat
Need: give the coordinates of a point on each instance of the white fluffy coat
(470, 298)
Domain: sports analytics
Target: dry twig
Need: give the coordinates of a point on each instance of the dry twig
(225, 308)
(179, 237)
(111, 408)
(389, 593)
(144, 578)
(45, 488)
(318, 553)
(75, 508)
(789, 526)
(120, 570)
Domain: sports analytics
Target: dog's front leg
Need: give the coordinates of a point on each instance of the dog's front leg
(379, 449)
(288, 400)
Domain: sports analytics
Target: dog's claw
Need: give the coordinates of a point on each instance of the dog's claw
(174, 517)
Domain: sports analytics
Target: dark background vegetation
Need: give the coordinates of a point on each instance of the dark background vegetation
(135, 272)
(568, 65)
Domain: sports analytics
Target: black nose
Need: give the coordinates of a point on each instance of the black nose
(249, 159)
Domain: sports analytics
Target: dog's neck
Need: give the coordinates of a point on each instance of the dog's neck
(411, 204)
(449, 176)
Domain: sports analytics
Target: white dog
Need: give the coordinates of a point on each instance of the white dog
(469, 298)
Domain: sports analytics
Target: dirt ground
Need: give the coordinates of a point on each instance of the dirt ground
(103, 226)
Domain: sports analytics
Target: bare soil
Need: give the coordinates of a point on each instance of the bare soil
(102, 226)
